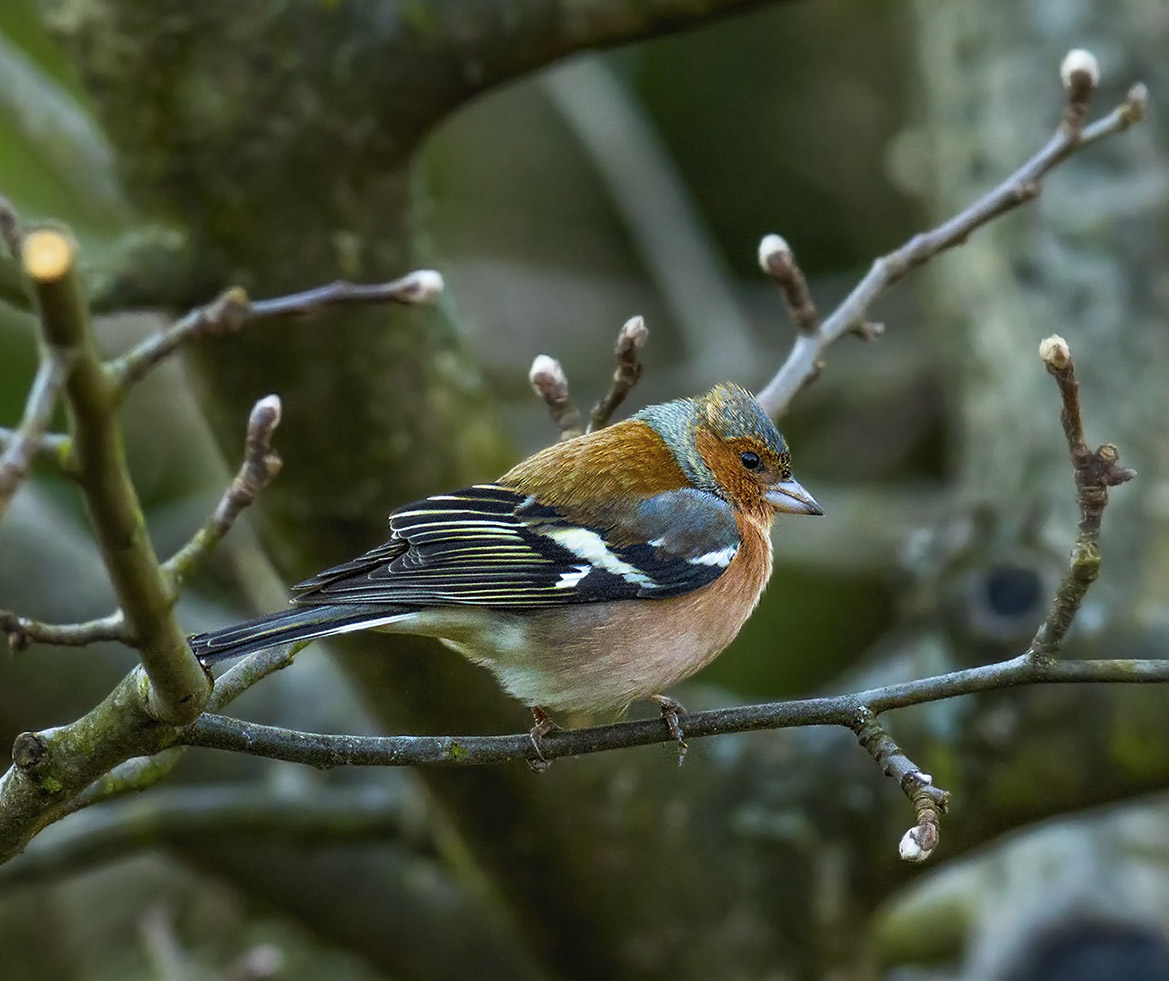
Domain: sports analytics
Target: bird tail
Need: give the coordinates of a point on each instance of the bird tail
(289, 627)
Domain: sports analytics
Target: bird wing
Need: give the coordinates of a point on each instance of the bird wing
(494, 546)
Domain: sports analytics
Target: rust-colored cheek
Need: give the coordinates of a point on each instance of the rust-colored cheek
(742, 489)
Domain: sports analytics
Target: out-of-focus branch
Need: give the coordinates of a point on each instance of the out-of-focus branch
(29, 438)
(11, 232)
(232, 309)
(178, 686)
(51, 447)
(174, 816)
(804, 361)
(23, 632)
(663, 223)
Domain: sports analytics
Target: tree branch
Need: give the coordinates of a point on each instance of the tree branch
(1095, 471)
(232, 309)
(260, 466)
(178, 686)
(112, 749)
(23, 632)
(327, 750)
(174, 816)
(804, 361)
(551, 383)
(30, 438)
(929, 802)
(631, 339)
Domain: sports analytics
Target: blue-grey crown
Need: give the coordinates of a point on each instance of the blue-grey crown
(727, 409)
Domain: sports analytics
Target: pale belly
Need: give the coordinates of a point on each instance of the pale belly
(583, 658)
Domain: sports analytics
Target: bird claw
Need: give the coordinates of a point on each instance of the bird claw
(671, 709)
(543, 726)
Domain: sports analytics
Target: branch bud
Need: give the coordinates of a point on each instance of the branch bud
(266, 414)
(917, 844)
(421, 286)
(1079, 70)
(776, 257)
(1137, 102)
(1055, 352)
(632, 336)
(548, 379)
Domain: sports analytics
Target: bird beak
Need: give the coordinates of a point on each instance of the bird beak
(790, 497)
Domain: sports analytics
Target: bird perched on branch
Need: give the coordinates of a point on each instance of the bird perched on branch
(599, 571)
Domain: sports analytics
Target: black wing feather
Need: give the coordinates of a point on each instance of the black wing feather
(490, 545)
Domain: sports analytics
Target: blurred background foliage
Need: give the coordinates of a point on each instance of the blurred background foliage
(557, 206)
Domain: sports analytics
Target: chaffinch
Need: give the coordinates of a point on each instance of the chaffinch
(599, 571)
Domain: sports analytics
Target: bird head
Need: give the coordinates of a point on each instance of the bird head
(725, 444)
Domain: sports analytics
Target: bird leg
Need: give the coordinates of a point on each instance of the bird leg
(671, 709)
(543, 726)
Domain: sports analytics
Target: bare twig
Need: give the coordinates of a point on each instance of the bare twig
(248, 670)
(12, 284)
(23, 632)
(232, 309)
(551, 383)
(929, 802)
(168, 959)
(1095, 471)
(631, 341)
(260, 466)
(11, 233)
(1022, 186)
(778, 261)
(178, 686)
(29, 439)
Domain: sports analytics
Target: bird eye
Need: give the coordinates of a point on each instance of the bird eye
(750, 460)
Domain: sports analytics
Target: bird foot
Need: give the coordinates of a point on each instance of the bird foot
(543, 726)
(671, 709)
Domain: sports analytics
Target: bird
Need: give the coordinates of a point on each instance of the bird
(598, 572)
